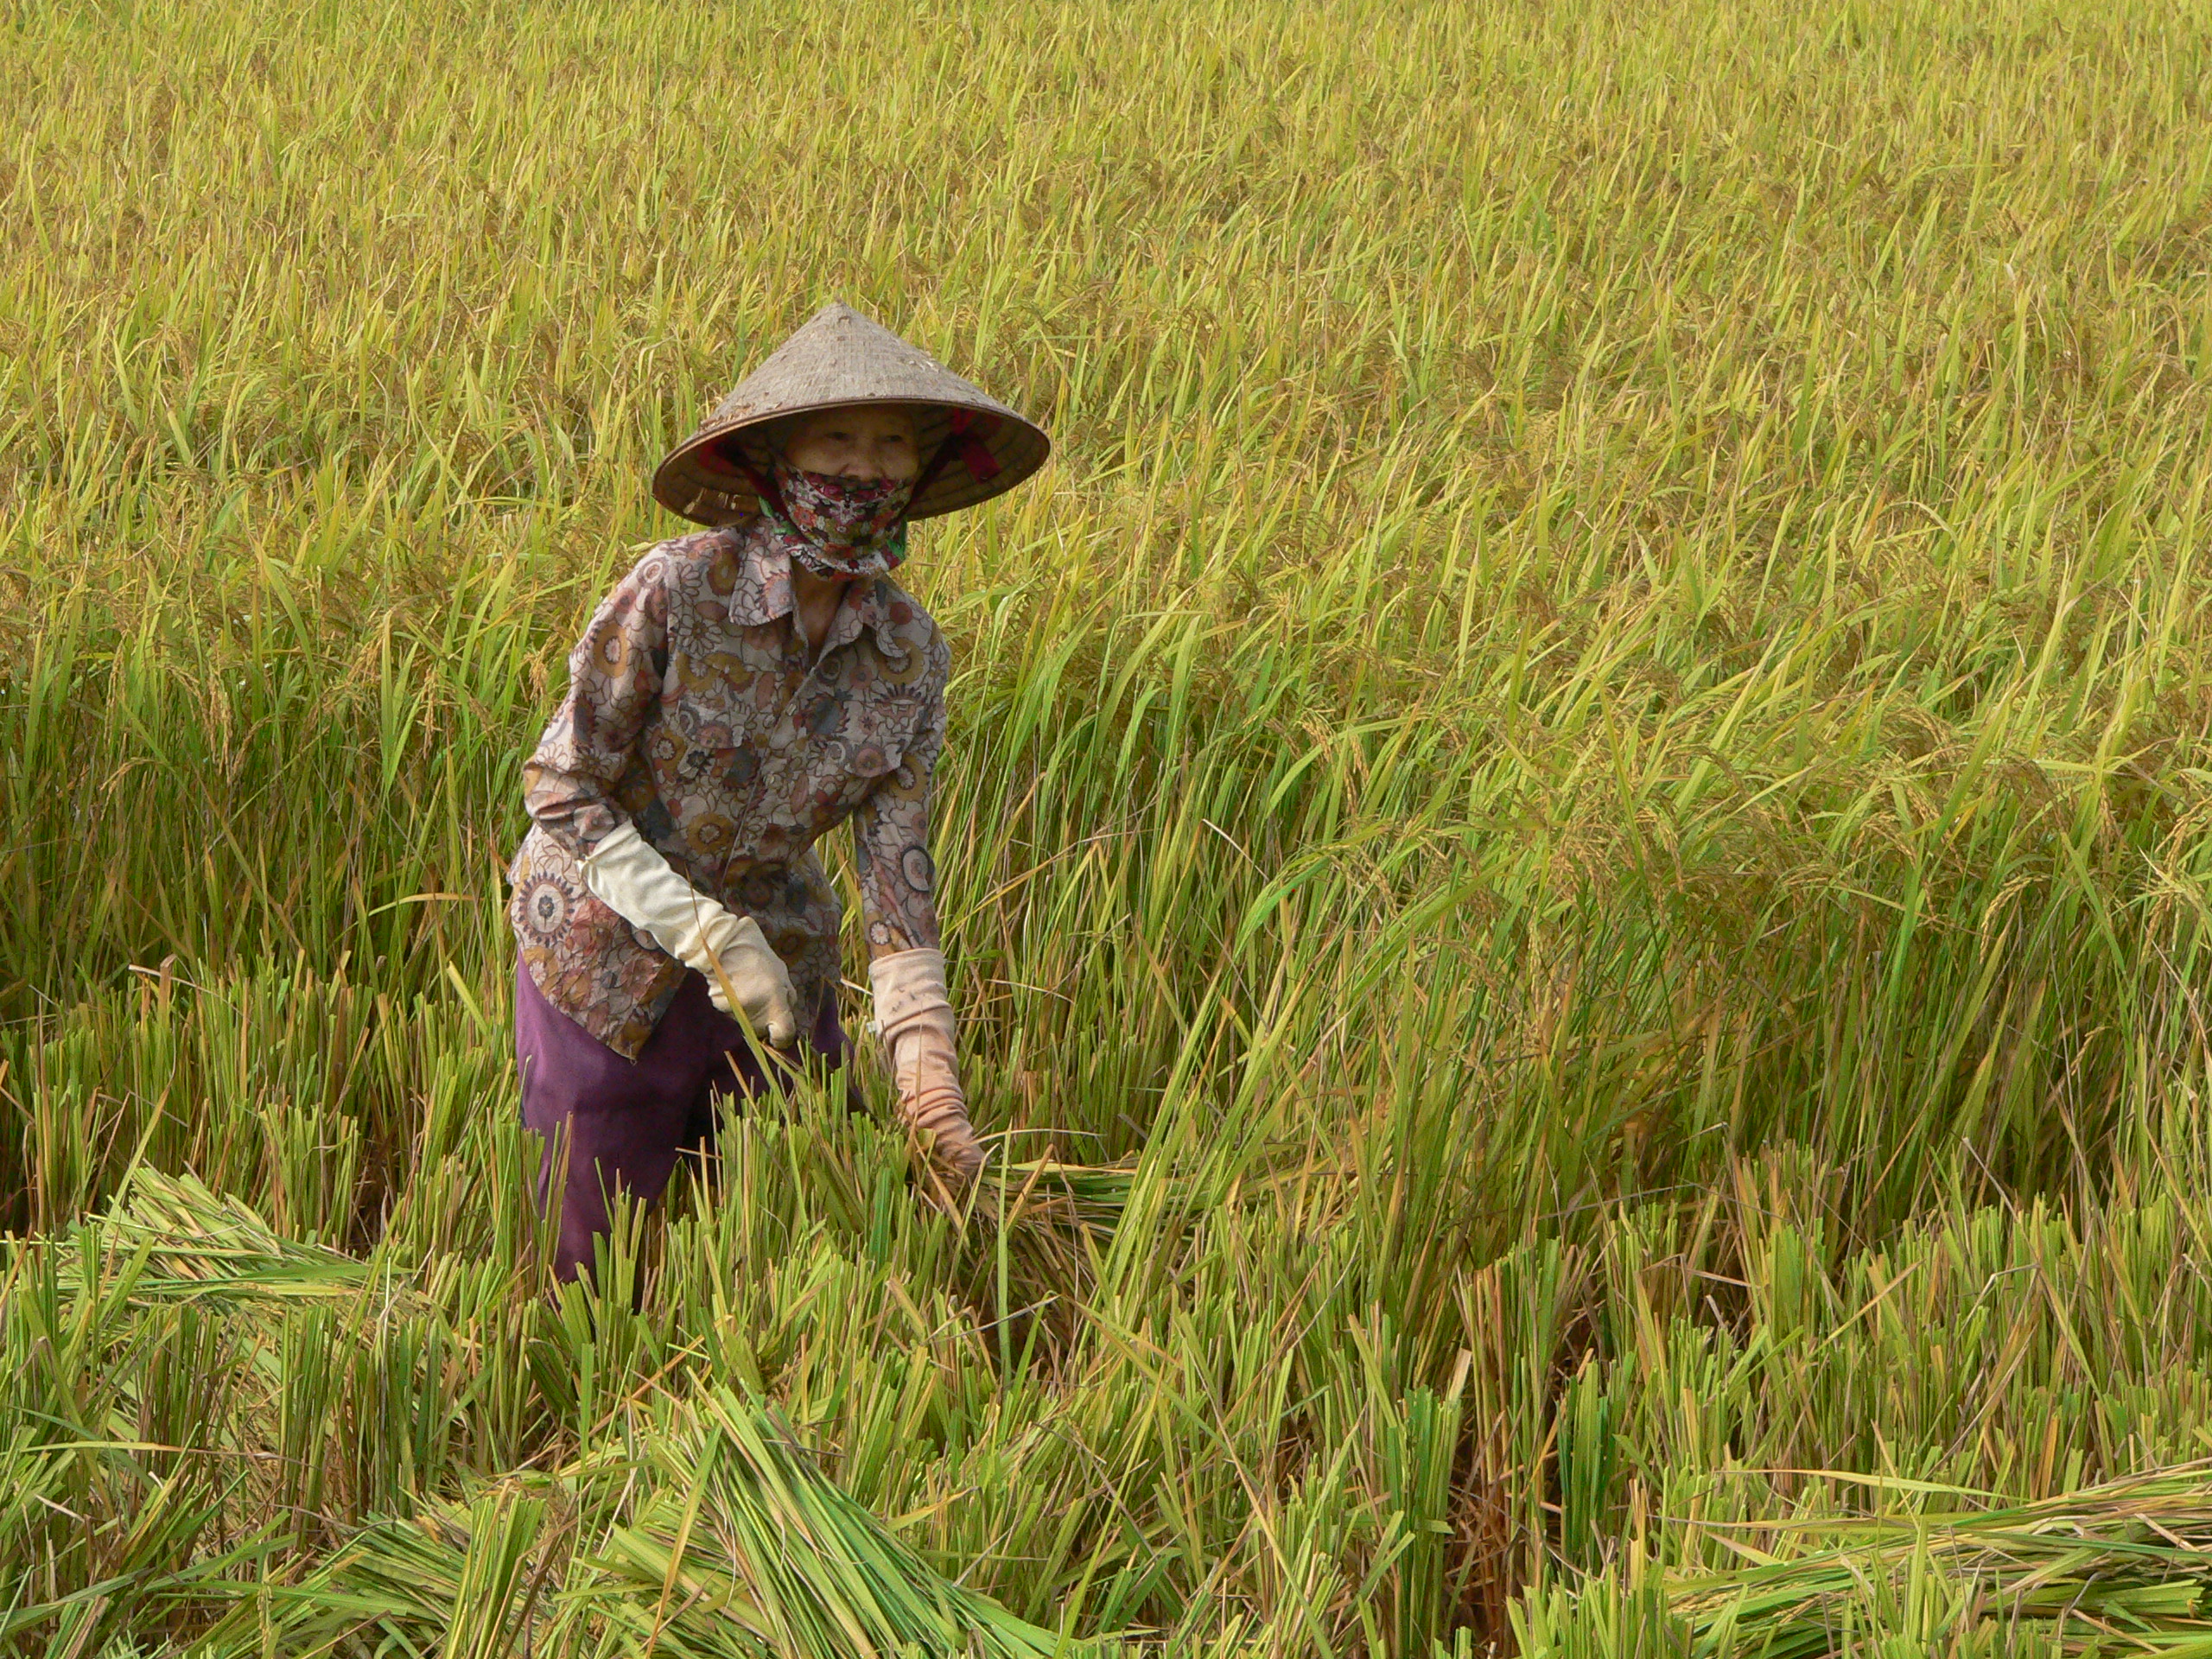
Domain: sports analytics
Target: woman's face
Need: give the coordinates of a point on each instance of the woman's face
(874, 441)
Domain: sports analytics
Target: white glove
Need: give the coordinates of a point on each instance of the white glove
(915, 1016)
(744, 978)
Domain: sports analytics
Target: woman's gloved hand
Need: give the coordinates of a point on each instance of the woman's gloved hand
(752, 983)
(744, 978)
(915, 1016)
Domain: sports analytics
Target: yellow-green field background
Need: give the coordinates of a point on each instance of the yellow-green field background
(1595, 754)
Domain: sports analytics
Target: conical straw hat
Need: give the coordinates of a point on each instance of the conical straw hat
(839, 359)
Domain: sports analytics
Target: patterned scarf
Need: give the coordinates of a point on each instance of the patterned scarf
(838, 526)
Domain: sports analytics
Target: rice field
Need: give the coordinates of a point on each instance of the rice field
(1576, 840)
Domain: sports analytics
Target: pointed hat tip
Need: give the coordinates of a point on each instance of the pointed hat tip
(837, 311)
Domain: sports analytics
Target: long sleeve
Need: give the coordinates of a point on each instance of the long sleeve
(614, 678)
(891, 830)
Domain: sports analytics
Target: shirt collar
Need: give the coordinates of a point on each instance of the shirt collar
(765, 594)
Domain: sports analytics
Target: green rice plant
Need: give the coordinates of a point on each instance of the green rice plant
(715, 1504)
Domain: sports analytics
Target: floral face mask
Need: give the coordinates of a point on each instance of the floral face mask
(837, 526)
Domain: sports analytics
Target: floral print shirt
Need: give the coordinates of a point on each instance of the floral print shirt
(695, 712)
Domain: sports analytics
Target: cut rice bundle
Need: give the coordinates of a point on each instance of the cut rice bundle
(2122, 1567)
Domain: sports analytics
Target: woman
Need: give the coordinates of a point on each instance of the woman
(739, 692)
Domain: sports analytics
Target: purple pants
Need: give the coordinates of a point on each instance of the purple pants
(627, 1120)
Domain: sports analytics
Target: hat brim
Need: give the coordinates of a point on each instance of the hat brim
(703, 478)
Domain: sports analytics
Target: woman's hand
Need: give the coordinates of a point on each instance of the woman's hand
(744, 978)
(915, 1016)
(930, 1100)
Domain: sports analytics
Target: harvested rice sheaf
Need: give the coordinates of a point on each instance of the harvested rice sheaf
(2120, 1567)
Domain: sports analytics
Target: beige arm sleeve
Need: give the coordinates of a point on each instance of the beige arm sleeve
(743, 974)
